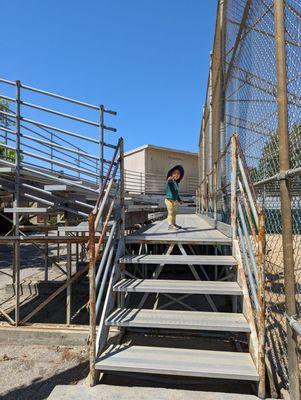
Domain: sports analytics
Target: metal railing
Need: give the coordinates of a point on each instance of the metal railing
(39, 138)
(247, 222)
(41, 145)
(104, 253)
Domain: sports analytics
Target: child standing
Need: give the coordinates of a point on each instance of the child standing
(174, 177)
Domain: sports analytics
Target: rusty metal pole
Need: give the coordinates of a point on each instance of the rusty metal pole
(215, 191)
(261, 306)
(203, 167)
(234, 185)
(222, 105)
(92, 299)
(286, 213)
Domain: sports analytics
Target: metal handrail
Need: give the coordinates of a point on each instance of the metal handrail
(245, 212)
(55, 112)
(98, 273)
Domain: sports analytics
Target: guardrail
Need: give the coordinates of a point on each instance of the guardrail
(247, 221)
(46, 138)
(38, 139)
(105, 252)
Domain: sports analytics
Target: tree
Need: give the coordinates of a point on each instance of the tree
(269, 160)
(7, 154)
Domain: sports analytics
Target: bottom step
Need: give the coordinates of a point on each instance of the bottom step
(183, 362)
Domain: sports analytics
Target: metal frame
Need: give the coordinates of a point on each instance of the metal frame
(72, 163)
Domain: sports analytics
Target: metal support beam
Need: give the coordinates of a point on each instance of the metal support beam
(16, 205)
(286, 213)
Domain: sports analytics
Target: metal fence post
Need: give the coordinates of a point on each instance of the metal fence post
(234, 185)
(261, 306)
(286, 214)
(222, 123)
(17, 204)
(122, 225)
(92, 299)
(101, 140)
(215, 190)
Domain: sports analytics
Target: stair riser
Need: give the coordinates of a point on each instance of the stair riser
(200, 374)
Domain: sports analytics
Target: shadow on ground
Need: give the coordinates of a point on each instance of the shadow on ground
(40, 389)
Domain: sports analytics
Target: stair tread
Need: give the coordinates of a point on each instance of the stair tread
(178, 259)
(178, 286)
(182, 362)
(175, 319)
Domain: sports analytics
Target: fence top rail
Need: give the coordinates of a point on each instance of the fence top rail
(49, 110)
(58, 96)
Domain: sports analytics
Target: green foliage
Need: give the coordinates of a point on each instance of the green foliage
(4, 106)
(7, 154)
(269, 160)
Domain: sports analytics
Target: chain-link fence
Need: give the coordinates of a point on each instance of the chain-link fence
(242, 98)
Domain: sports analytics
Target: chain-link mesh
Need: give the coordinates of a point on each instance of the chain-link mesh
(244, 101)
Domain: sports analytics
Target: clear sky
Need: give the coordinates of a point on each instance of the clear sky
(147, 59)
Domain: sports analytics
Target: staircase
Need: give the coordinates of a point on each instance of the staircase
(149, 279)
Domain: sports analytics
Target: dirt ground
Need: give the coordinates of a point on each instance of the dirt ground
(275, 301)
(31, 372)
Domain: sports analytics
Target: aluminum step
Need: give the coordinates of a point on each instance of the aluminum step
(178, 286)
(181, 362)
(175, 319)
(179, 259)
(28, 210)
(172, 238)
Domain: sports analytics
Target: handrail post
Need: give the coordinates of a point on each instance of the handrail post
(234, 185)
(122, 213)
(122, 225)
(286, 212)
(101, 140)
(261, 306)
(92, 299)
(215, 190)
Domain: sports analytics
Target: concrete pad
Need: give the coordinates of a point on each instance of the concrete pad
(107, 392)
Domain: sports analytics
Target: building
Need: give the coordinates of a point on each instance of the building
(146, 168)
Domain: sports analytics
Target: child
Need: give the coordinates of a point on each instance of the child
(174, 177)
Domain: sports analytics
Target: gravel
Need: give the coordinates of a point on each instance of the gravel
(31, 372)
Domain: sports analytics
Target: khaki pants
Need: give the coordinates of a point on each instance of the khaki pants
(172, 211)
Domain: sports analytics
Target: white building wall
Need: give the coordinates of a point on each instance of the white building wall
(146, 169)
(134, 165)
(160, 161)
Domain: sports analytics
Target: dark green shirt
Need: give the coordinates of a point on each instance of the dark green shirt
(172, 190)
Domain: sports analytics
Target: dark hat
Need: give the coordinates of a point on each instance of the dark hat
(180, 168)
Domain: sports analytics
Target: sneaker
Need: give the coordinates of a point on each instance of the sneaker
(172, 228)
(178, 226)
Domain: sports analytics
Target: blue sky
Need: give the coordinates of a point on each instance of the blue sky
(148, 59)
